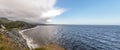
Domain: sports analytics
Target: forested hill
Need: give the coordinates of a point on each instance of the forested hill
(15, 24)
(10, 39)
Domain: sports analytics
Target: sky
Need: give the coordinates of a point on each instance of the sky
(89, 12)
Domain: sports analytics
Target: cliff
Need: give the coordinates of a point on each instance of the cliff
(15, 24)
(11, 39)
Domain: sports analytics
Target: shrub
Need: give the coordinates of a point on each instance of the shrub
(40, 49)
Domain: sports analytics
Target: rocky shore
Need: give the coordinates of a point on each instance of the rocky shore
(11, 39)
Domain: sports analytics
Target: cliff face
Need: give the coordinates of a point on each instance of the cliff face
(12, 40)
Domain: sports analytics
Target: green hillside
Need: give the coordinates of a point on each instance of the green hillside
(7, 44)
(15, 24)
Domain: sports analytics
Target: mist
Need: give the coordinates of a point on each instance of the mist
(31, 11)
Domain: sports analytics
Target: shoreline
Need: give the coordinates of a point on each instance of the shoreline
(31, 45)
(28, 40)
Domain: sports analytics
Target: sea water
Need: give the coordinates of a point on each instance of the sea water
(77, 37)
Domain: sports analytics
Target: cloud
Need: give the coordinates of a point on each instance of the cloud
(32, 11)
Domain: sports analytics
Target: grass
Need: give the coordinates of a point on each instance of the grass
(14, 24)
(7, 44)
(40, 49)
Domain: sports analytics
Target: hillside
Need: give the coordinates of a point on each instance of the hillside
(11, 39)
(6, 43)
(15, 24)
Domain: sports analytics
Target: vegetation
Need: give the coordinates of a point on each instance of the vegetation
(40, 49)
(7, 44)
(14, 24)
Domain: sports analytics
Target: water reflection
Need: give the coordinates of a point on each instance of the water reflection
(42, 35)
(77, 37)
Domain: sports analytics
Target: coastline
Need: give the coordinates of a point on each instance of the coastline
(28, 40)
(31, 45)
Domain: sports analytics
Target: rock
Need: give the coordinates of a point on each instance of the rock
(16, 37)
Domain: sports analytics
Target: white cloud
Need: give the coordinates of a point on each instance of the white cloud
(32, 11)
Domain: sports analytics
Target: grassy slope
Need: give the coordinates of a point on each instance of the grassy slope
(15, 24)
(7, 44)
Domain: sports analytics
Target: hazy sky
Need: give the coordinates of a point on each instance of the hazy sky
(100, 12)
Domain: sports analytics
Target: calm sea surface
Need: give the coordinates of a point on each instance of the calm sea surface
(77, 37)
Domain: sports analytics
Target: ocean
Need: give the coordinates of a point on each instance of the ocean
(76, 37)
